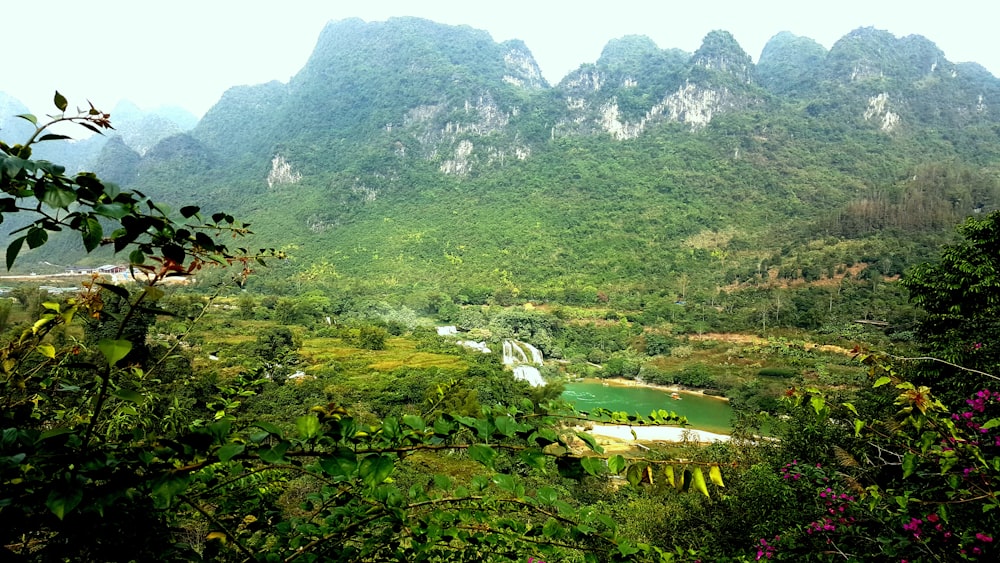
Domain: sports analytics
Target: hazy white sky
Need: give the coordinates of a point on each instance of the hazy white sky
(188, 52)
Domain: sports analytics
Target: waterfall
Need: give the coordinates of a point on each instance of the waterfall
(516, 355)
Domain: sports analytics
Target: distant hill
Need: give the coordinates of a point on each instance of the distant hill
(138, 129)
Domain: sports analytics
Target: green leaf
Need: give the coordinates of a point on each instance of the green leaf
(715, 475)
(414, 422)
(390, 427)
(268, 427)
(591, 442)
(60, 101)
(219, 431)
(92, 233)
(818, 403)
(153, 293)
(442, 482)
(992, 423)
(136, 257)
(615, 464)
(114, 350)
(37, 236)
(483, 454)
(634, 473)
(626, 548)
(506, 425)
(505, 482)
(29, 117)
(343, 462)
(189, 211)
(13, 249)
(112, 210)
(544, 436)
(443, 427)
(128, 395)
(169, 486)
(552, 529)
(54, 432)
(53, 137)
(882, 381)
(547, 495)
(44, 320)
(62, 502)
(592, 465)
(698, 479)
(57, 197)
(274, 454)
(858, 426)
(47, 350)
(375, 469)
(307, 426)
(909, 464)
(534, 458)
(229, 451)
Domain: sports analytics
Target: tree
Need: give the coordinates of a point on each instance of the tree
(371, 337)
(961, 296)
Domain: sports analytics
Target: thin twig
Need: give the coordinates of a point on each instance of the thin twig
(947, 363)
(239, 546)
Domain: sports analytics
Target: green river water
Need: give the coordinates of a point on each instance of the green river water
(703, 413)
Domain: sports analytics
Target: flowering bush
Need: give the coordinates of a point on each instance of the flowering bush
(916, 486)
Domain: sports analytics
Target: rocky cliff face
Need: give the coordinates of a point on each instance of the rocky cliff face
(635, 85)
(520, 66)
(721, 54)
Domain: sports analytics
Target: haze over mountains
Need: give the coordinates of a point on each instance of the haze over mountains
(412, 156)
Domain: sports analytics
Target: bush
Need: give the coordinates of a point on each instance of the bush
(778, 372)
(695, 375)
(372, 337)
(657, 345)
(621, 366)
(681, 351)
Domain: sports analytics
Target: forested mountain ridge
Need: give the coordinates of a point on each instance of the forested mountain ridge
(408, 155)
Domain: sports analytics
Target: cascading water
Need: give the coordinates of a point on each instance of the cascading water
(516, 354)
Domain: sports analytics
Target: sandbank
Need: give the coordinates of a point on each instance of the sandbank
(622, 382)
(655, 433)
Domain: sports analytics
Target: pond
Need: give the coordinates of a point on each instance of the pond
(703, 413)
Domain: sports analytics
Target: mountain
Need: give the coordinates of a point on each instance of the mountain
(408, 157)
(138, 129)
(788, 64)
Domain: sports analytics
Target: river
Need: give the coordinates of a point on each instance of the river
(703, 413)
